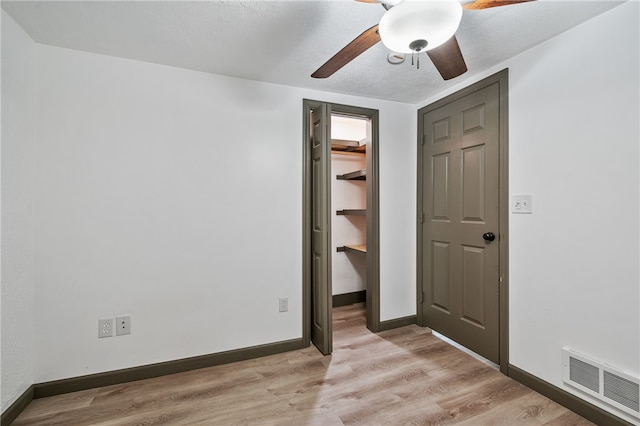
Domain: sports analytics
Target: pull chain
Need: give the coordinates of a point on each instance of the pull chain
(416, 47)
(415, 59)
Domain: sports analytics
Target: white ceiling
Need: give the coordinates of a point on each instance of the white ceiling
(285, 41)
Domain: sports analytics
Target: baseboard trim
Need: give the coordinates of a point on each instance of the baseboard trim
(397, 323)
(587, 410)
(18, 406)
(108, 378)
(349, 298)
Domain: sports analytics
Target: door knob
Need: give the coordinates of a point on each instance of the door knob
(489, 236)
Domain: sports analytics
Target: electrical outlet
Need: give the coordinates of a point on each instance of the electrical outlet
(522, 204)
(123, 325)
(105, 327)
(284, 304)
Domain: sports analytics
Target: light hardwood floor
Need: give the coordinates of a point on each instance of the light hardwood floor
(404, 376)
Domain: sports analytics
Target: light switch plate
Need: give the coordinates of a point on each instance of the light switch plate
(522, 204)
(283, 303)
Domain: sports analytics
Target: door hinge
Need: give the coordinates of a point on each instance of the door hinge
(422, 218)
(422, 298)
(422, 139)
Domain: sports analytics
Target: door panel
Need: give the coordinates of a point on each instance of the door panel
(460, 172)
(473, 184)
(441, 188)
(321, 300)
(473, 119)
(441, 276)
(317, 314)
(441, 130)
(473, 285)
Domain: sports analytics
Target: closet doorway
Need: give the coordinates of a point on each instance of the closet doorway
(340, 216)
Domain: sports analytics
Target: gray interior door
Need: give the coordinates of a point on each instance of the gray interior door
(321, 297)
(460, 205)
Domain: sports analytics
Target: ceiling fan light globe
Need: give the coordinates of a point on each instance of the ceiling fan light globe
(432, 20)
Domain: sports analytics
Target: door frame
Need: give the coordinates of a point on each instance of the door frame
(502, 79)
(373, 214)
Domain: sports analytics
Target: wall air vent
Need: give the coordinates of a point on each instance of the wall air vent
(601, 381)
(584, 374)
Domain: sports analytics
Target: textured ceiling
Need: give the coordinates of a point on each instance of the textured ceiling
(285, 41)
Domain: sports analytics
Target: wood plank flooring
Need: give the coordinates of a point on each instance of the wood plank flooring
(404, 376)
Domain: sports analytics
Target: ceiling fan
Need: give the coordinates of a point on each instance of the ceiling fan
(412, 27)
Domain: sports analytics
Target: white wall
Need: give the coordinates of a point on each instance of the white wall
(176, 196)
(577, 153)
(17, 270)
(348, 269)
(574, 144)
(398, 150)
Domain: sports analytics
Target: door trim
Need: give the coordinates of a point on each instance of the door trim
(373, 216)
(502, 79)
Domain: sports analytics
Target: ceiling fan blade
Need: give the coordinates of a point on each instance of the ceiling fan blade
(448, 59)
(486, 4)
(348, 53)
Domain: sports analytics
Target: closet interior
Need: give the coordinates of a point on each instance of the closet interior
(350, 136)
